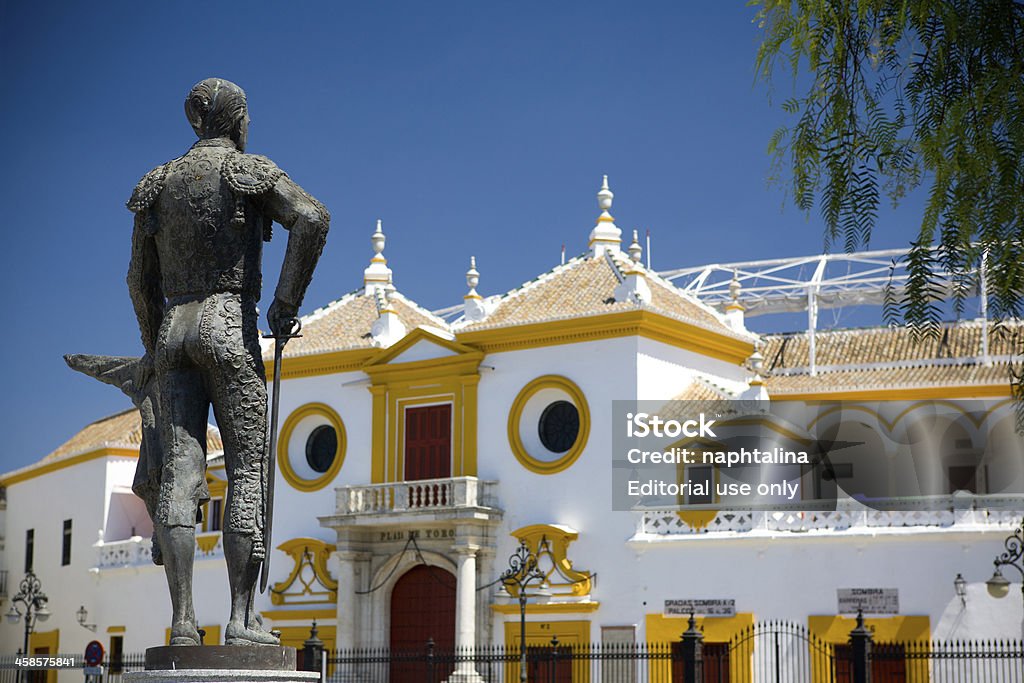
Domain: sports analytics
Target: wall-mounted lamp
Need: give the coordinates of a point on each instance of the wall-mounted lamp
(960, 586)
(83, 615)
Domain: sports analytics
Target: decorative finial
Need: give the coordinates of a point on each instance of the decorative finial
(605, 236)
(734, 310)
(474, 306)
(377, 275)
(735, 287)
(605, 196)
(635, 250)
(378, 241)
(756, 361)
(472, 277)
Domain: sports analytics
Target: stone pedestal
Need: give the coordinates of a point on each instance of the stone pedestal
(221, 664)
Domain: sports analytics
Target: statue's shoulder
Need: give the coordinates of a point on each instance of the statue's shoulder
(249, 174)
(148, 188)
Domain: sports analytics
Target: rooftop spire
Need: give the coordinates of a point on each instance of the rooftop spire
(635, 250)
(605, 236)
(472, 279)
(474, 306)
(377, 275)
(734, 311)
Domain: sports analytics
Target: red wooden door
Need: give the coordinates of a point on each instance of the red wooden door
(422, 609)
(428, 442)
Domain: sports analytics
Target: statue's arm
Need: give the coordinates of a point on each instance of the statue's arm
(144, 283)
(307, 222)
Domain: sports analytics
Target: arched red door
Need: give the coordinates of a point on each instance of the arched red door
(422, 608)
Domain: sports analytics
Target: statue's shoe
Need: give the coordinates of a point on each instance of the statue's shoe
(235, 634)
(184, 634)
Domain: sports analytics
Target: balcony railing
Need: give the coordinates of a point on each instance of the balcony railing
(418, 496)
(959, 510)
(137, 551)
(128, 553)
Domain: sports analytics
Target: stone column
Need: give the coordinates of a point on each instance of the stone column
(465, 613)
(347, 602)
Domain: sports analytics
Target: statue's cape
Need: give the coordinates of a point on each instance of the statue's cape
(118, 371)
(249, 174)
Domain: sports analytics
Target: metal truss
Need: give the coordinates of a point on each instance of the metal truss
(804, 283)
(788, 285)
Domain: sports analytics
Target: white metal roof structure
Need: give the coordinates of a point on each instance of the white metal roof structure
(804, 283)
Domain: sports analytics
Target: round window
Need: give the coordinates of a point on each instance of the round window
(311, 447)
(321, 448)
(558, 427)
(548, 424)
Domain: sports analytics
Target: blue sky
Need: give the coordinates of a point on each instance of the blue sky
(470, 128)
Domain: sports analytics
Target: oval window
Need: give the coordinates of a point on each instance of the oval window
(558, 427)
(321, 448)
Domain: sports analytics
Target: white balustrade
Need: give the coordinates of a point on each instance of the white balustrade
(419, 495)
(137, 551)
(936, 512)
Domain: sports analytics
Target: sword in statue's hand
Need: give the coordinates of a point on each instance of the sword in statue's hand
(292, 326)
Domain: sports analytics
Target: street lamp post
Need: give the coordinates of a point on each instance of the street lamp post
(33, 601)
(522, 570)
(998, 586)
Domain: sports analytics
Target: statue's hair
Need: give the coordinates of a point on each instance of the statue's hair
(214, 107)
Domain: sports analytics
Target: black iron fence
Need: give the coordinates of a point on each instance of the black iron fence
(766, 652)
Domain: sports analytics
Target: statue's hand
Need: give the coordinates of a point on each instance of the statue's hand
(282, 318)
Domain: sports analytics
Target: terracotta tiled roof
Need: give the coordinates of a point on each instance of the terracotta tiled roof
(882, 344)
(887, 357)
(700, 390)
(345, 324)
(891, 378)
(585, 286)
(120, 430)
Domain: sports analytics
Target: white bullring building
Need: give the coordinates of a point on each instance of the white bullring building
(417, 451)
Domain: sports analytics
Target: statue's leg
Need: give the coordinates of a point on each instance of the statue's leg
(179, 544)
(240, 406)
(182, 488)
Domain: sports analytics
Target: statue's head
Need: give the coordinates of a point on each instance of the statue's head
(216, 109)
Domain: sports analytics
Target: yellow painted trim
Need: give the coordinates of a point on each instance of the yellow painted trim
(897, 628)
(516, 413)
(697, 519)
(218, 487)
(49, 640)
(385, 356)
(549, 608)
(295, 636)
(328, 363)
(47, 468)
(901, 394)
(549, 542)
(299, 614)
(116, 629)
(207, 542)
(663, 629)
(319, 552)
(396, 386)
(539, 634)
(283, 460)
(609, 326)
